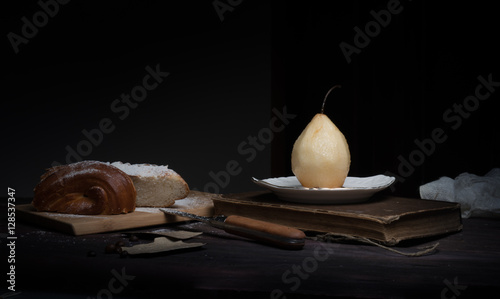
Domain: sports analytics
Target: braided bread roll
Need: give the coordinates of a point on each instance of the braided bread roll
(86, 188)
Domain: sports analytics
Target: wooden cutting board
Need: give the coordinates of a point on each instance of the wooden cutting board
(199, 203)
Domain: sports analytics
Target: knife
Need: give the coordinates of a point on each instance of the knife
(265, 232)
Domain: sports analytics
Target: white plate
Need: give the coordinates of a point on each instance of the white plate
(354, 190)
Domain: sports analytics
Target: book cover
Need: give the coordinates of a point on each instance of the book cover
(386, 219)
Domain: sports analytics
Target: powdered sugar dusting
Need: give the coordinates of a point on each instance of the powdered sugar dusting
(194, 200)
(148, 210)
(66, 215)
(145, 170)
(82, 172)
(73, 170)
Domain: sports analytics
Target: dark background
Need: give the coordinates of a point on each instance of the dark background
(227, 75)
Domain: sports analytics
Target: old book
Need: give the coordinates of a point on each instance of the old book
(386, 219)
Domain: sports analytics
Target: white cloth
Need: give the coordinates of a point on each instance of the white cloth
(479, 196)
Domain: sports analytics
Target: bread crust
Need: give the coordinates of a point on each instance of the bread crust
(86, 188)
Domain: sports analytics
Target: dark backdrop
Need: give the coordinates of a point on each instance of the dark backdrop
(65, 79)
(402, 86)
(228, 70)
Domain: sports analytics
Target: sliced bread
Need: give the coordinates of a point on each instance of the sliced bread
(156, 185)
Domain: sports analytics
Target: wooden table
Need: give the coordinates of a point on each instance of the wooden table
(466, 264)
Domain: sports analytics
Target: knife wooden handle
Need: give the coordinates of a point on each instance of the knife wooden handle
(270, 233)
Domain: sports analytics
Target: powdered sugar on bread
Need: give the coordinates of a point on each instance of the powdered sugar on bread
(156, 185)
(145, 170)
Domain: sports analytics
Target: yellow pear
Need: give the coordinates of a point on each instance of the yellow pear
(320, 156)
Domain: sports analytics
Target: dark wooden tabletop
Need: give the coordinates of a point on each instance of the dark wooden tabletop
(49, 264)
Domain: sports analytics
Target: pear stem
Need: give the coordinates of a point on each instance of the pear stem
(324, 101)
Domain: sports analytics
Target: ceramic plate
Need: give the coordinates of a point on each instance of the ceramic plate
(354, 190)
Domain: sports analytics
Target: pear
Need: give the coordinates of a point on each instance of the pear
(320, 155)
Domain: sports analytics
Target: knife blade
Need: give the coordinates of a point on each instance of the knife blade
(265, 232)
